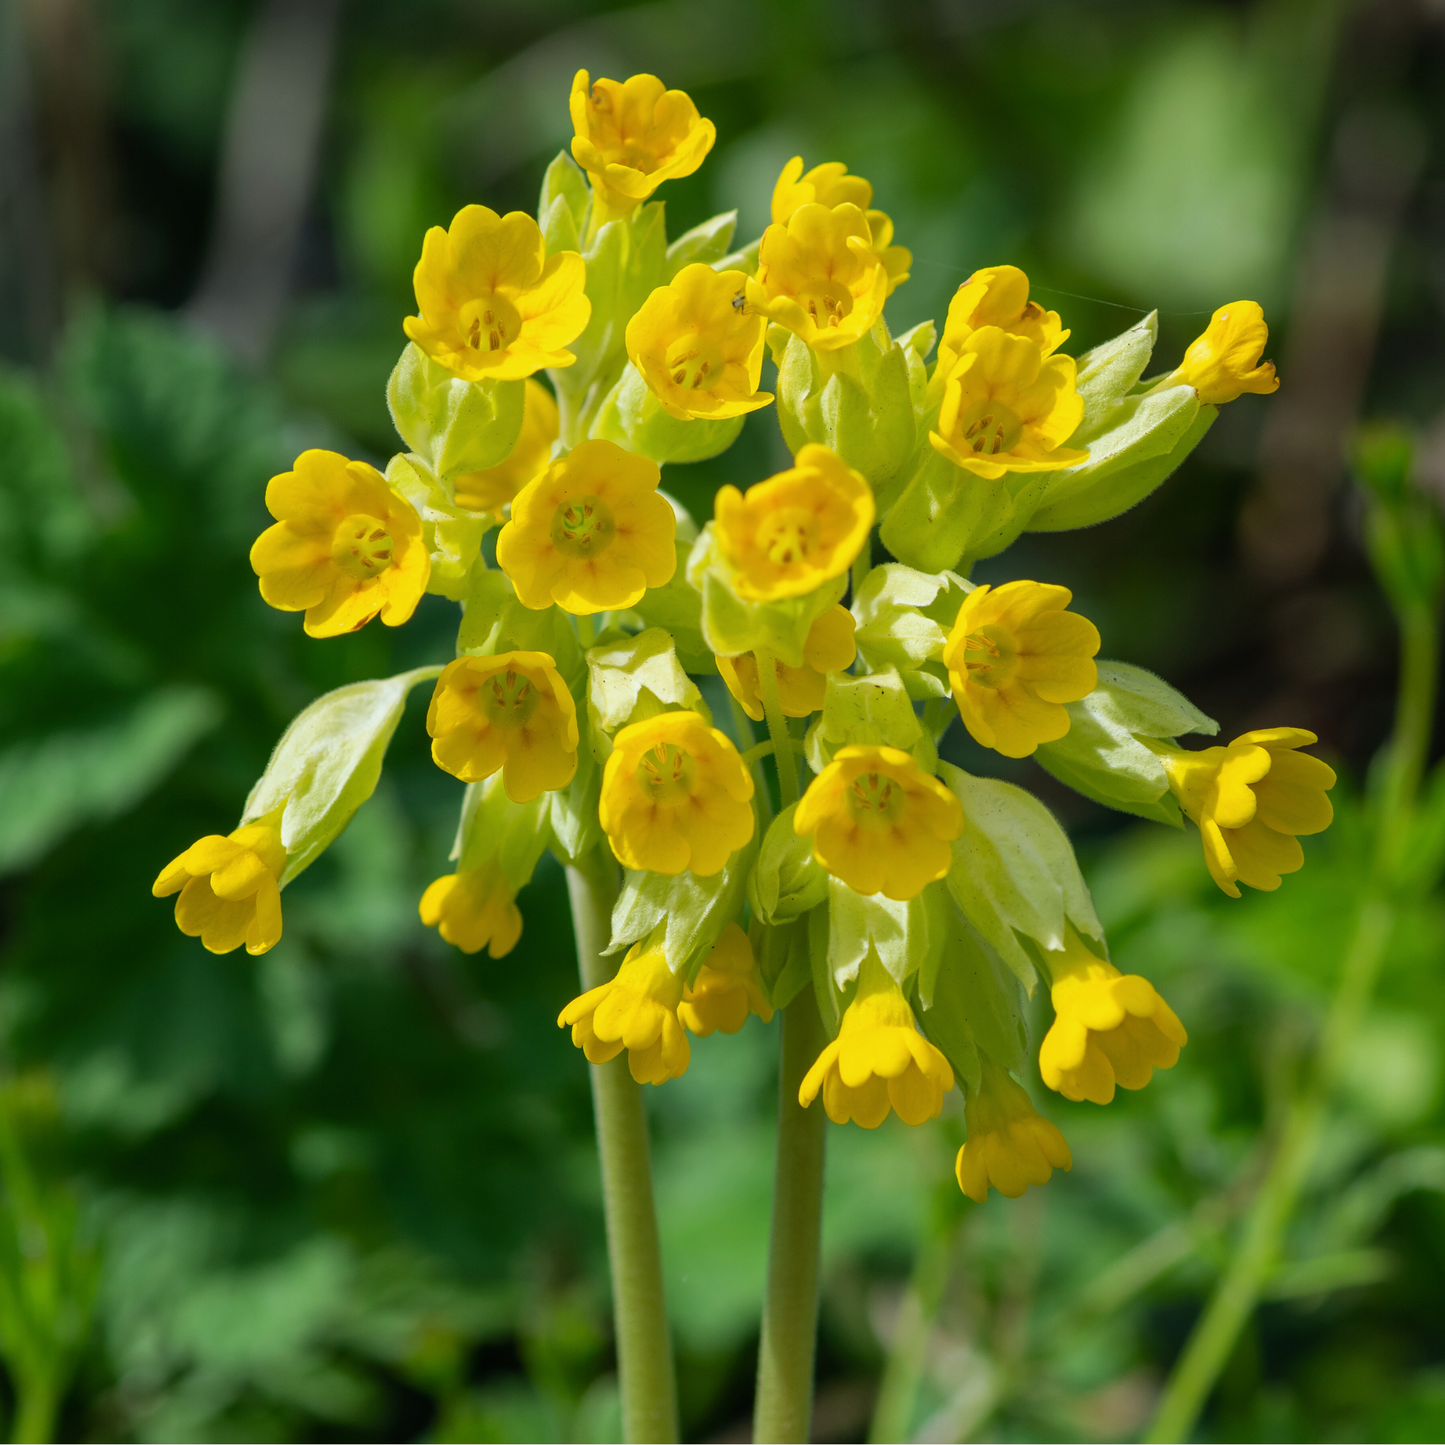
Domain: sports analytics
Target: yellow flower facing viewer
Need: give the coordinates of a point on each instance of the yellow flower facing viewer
(1015, 656)
(829, 648)
(1109, 1028)
(1008, 408)
(492, 489)
(632, 135)
(698, 350)
(591, 533)
(1224, 363)
(787, 536)
(726, 990)
(1010, 1144)
(1252, 801)
(494, 306)
(512, 712)
(675, 795)
(997, 296)
(230, 887)
(474, 909)
(879, 1059)
(345, 547)
(636, 1011)
(830, 185)
(879, 822)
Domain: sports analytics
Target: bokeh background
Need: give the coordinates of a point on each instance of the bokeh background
(348, 1190)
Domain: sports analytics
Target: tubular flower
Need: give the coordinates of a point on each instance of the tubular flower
(345, 547)
(830, 185)
(230, 887)
(494, 306)
(829, 648)
(636, 1011)
(1014, 658)
(1109, 1028)
(997, 296)
(820, 276)
(1224, 363)
(474, 909)
(787, 536)
(591, 533)
(675, 796)
(632, 135)
(1010, 1145)
(1008, 408)
(878, 1059)
(512, 712)
(699, 351)
(1252, 802)
(727, 988)
(491, 490)
(879, 822)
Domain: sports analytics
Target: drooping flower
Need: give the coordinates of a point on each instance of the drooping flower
(879, 822)
(787, 536)
(675, 796)
(474, 908)
(727, 989)
(511, 711)
(1010, 1144)
(699, 351)
(494, 306)
(830, 185)
(345, 547)
(829, 648)
(1015, 656)
(492, 489)
(997, 296)
(591, 533)
(1224, 363)
(878, 1060)
(636, 1011)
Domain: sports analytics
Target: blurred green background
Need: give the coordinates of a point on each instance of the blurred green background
(348, 1190)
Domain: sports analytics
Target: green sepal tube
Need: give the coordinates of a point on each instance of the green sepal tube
(903, 620)
(452, 534)
(787, 881)
(875, 710)
(631, 679)
(454, 426)
(494, 828)
(784, 964)
(631, 415)
(706, 245)
(677, 608)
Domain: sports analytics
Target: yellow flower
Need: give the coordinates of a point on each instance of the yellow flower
(675, 796)
(1109, 1028)
(230, 887)
(344, 549)
(636, 1011)
(820, 277)
(632, 135)
(1008, 408)
(727, 988)
(787, 536)
(494, 306)
(512, 712)
(698, 350)
(1224, 362)
(878, 1059)
(1252, 801)
(1010, 1145)
(474, 909)
(830, 185)
(829, 648)
(1014, 657)
(491, 490)
(879, 822)
(997, 296)
(591, 533)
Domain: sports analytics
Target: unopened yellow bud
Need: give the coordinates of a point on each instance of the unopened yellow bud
(1010, 1144)
(1224, 362)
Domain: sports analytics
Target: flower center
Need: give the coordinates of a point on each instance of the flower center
(665, 773)
(826, 301)
(583, 527)
(875, 800)
(788, 535)
(509, 698)
(990, 656)
(989, 428)
(490, 323)
(361, 546)
(694, 364)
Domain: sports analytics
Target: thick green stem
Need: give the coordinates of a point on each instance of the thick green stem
(777, 728)
(644, 1346)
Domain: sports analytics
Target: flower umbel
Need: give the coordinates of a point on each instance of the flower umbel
(726, 990)
(829, 648)
(474, 909)
(636, 1011)
(1010, 1144)
(1224, 363)
(830, 185)
(491, 490)
(997, 296)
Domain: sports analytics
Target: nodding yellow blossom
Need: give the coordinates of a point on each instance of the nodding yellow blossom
(820, 276)
(494, 306)
(591, 533)
(1010, 1145)
(997, 296)
(1109, 1028)
(829, 648)
(1224, 362)
(474, 909)
(492, 489)
(699, 351)
(345, 547)
(878, 1060)
(632, 135)
(787, 536)
(636, 1011)
(512, 712)
(1252, 801)
(726, 990)
(1008, 408)
(230, 887)
(1015, 656)
(879, 822)
(830, 185)
(675, 796)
